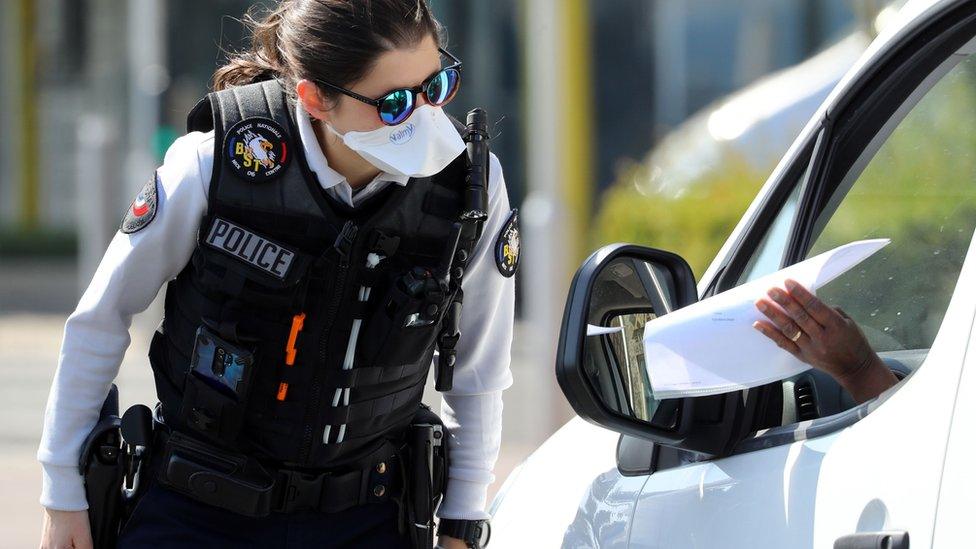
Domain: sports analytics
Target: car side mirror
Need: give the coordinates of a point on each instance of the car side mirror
(600, 362)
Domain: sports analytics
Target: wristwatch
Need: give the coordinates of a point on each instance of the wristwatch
(475, 533)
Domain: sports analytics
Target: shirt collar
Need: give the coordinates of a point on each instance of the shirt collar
(327, 176)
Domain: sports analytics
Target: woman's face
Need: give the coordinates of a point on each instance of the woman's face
(399, 68)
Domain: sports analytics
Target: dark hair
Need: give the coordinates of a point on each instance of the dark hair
(333, 40)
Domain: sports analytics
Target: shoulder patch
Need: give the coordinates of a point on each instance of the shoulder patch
(256, 149)
(507, 246)
(143, 208)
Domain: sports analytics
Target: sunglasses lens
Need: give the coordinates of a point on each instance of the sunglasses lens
(442, 87)
(396, 107)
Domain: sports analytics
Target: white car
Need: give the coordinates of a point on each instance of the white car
(795, 463)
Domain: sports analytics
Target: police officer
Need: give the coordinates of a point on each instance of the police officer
(307, 229)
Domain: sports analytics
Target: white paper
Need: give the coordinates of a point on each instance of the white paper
(592, 330)
(711, 347)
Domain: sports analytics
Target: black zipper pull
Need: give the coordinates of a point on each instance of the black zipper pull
(343, 242)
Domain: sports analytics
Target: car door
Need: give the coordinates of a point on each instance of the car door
(894, 157)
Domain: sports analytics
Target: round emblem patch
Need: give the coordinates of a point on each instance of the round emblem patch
(142, 210)
(507, 246)
(257, 149)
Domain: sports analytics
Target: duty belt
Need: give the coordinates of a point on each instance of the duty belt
(241, 484)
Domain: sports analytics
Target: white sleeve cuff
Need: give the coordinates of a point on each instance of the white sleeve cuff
(62, 488)
(464, 500)
(474, 423)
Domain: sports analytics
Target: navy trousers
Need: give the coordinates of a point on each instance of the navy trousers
(163, 518)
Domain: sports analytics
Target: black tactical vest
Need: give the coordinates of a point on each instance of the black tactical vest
(273, 245)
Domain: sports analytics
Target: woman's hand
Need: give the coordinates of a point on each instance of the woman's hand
(447, 542)
(65, 530)
(825, 338)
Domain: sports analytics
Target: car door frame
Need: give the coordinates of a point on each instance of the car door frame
(811, 163)
(854, 117)
(822, 139)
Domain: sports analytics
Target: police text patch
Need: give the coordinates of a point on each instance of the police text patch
(143, 208)
(257, 149)
(250, 248)
(507, 246)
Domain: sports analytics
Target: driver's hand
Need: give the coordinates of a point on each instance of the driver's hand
(825, 338)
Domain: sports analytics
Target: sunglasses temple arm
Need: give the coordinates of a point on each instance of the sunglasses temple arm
(354, 95)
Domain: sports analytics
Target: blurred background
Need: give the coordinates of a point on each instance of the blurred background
(645, 121)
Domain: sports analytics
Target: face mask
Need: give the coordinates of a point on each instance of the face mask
(420, 146)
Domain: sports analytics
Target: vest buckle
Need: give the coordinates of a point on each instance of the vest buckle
(300, 490)
(343, 242)
(384, 244)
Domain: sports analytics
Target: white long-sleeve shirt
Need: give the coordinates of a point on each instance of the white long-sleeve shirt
(136, 265)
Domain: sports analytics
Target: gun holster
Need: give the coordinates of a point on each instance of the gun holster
(425, 471)
(112, 462)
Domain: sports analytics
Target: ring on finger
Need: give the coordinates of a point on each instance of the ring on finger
(797, 336)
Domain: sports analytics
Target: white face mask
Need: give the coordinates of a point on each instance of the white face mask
(422, 145)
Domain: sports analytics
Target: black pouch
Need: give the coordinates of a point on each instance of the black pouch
(216, 387)
(224, 479)
(402, 329)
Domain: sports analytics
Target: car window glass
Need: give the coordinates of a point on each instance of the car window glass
(769, 254)
(919, 190)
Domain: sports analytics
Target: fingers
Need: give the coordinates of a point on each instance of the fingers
(796, 311)
(777, 336)
(780, 320)
(817, 309)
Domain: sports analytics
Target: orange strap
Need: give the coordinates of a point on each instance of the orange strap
(296, 326)
(297, 322)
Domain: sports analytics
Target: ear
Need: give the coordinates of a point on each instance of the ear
(314, 102)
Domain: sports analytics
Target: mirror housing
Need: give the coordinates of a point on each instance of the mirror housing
(616, 282)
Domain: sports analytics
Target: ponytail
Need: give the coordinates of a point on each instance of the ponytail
(264, 60)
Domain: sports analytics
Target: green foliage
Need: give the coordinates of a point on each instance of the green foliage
(16, 242)
(693, 225)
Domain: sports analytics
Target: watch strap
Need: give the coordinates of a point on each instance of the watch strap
(473, 532)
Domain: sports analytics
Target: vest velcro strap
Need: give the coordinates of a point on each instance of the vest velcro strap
(210, 411)
(289, 376)
(367, 428)
(198, 304)
(442, 206)
(375, 375)
(424, 247)
(357, 309)
(369, 277)
(374, 407)
(178, 359)
(279, 223)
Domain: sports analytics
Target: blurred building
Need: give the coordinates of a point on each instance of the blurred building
(141, 64)
(92, 92)
(656, 63)
(82, 70)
